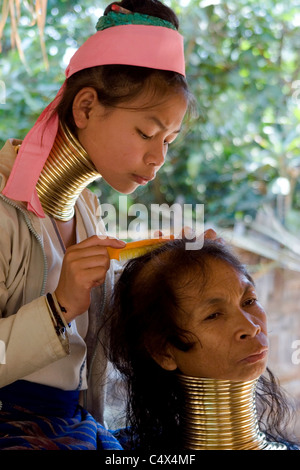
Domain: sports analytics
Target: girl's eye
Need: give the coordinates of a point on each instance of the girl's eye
(171, 141)
(144, 136)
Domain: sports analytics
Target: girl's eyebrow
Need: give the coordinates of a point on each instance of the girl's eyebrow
(160, 124)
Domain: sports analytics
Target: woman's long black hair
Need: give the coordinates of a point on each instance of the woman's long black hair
(144, 309)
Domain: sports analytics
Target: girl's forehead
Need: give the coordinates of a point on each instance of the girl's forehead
(153, 101)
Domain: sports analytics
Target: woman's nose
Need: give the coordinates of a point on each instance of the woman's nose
(248, 327)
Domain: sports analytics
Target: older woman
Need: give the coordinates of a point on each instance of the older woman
(189, 336)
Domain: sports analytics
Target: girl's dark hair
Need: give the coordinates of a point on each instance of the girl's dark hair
(145, 305)
(148, 7)
(117, 84)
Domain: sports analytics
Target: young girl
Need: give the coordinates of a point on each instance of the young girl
(189, 337)
(122, 104)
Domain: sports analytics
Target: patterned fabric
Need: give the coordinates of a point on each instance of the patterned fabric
(117, 19)
(21, 430)
(63, 425)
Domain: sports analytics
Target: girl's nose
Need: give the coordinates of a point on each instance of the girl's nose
(156, 154)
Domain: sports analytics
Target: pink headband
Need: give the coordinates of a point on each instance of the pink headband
(139, 45)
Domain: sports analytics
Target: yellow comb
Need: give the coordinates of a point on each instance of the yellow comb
(137, 248)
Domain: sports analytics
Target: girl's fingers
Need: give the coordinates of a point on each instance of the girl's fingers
(92, 261)
(210, 233)
(102, 240)
(93, 246)
(84, 266)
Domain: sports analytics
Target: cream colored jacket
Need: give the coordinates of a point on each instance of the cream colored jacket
(26, 329)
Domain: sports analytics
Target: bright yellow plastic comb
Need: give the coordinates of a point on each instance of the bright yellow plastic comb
(137, 248)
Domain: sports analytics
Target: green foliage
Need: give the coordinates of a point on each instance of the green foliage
(244, 70)
(243, 67)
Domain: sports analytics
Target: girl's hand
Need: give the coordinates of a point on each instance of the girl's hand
(84, 266)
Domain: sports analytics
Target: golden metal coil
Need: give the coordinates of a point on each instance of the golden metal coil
(221, 415)
(67, 171)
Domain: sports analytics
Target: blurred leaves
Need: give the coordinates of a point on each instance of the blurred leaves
(36, 14)
(244, 69)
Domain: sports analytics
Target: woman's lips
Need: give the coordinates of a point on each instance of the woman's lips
(252, 358)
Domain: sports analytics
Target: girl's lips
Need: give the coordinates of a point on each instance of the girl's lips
(255, 357)
(141, 179)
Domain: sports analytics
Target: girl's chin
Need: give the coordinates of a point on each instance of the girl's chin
(122, 188)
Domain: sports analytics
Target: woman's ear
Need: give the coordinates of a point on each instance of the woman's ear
(84, 102)
(165, 359)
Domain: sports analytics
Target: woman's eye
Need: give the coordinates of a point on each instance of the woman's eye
(213, 316)
(250, 302)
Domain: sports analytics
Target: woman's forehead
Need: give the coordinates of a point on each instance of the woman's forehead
(218, 280)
